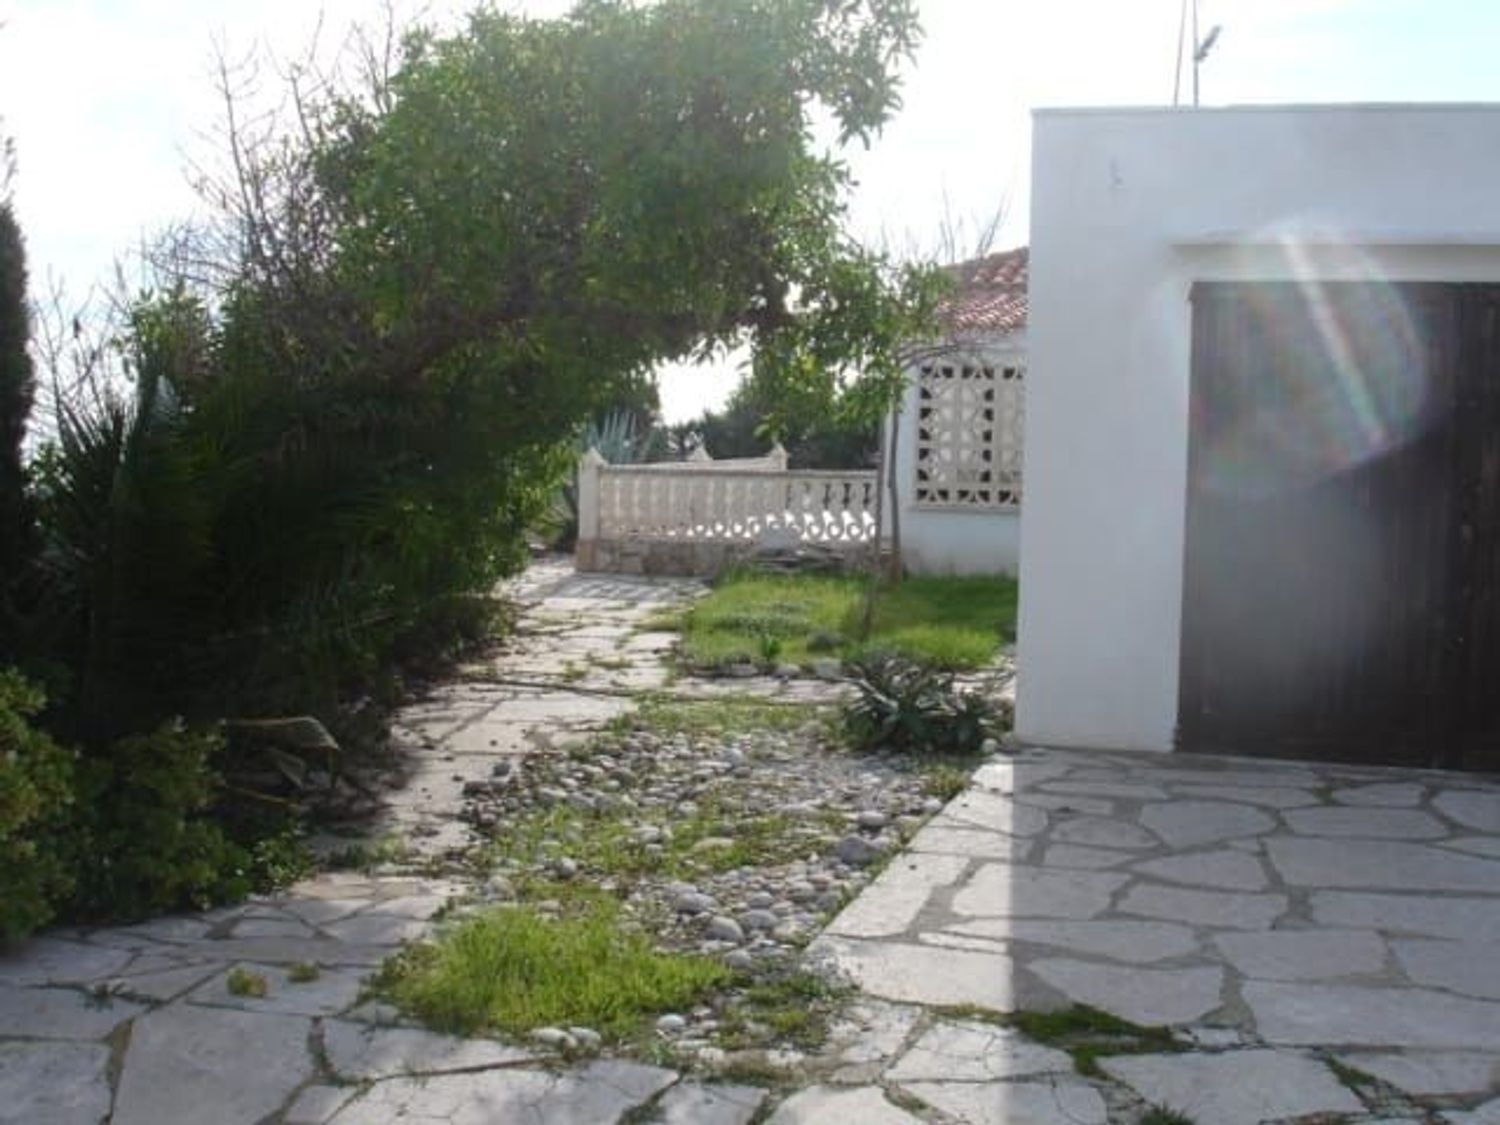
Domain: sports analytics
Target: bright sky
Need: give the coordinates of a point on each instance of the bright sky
(108, 99)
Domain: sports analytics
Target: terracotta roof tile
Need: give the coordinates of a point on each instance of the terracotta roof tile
(991, 293)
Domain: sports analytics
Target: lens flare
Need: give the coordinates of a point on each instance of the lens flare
(1325, 375)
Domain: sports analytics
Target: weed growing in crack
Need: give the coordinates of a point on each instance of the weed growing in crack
(1085, 1034)
(243, 982)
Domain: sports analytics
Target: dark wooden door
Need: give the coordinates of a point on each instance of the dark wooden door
(1343, 523)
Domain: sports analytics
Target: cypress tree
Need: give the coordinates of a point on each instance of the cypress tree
(17, 389)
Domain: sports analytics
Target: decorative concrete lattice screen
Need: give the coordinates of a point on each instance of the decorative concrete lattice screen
(970, 419)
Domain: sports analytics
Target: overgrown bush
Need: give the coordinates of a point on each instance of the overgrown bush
(903, 705)
(35, 799)
(143, 840)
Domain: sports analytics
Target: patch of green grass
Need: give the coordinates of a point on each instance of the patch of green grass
(512, 970)
(242, 982)
(303, 972)
(954, 623)
(1161, 1115)
(1088, 1035)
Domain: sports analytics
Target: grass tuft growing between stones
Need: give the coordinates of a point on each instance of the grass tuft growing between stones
(512, 970)
(1086, 1034)
(793, 1009)
(244, 982)
(728, 713)
(1162, 1115)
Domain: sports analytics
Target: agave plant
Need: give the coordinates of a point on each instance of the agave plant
(616, 440)
(903, 705)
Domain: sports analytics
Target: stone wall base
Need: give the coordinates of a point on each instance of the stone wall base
(683, 558)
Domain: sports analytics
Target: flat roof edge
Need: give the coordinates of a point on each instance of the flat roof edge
(1265, 107)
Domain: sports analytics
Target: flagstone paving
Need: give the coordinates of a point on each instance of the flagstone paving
(1275, 916)
(1288, 921)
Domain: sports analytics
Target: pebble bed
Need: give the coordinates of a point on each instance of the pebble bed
(824, 820)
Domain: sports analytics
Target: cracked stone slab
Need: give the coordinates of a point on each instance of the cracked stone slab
(871, 1032)
(316, 1105)
(1083, 858)
(1129, 941)
(1008, 890)
(1236, 1087)
(994, 812)
(59, 1013)
(971, 843)
(1370, 823)
(374, 927)
(54, 1083)
(975, 1052)
(1056, 1102)
(1427, 1073)
(1145, 996)
(1222, 870)
(694, 1103)
(1119, 790)
(819, 1105)
(1185, 824)
(1238, 778)
(359, 1051)
(1387, 794)
(1303, 954)
(1473, 808)
(1342, 1015)
(1269, 797)
(1476, 845)
(184, 1058)
(921, 974)
(891, 903)
(600, 1092)
(1469, 968)
(1409, 913)
(54, 961)
(331, 992)
(1487, 1114)
(1380, 865)
(162, 985)
(1204, 908)
(1104, 832)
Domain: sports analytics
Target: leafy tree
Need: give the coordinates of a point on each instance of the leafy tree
(356, 391)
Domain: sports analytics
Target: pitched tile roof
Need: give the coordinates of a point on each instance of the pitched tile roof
(991, 293)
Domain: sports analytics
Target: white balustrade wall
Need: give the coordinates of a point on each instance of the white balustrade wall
(719, 504)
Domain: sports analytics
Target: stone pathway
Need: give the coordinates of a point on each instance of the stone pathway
(1287, 921)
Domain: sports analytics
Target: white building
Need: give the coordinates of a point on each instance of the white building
(1263, 433)
(959, 450)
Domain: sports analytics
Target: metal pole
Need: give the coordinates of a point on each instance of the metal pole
(1181, 36)
(1195, 52)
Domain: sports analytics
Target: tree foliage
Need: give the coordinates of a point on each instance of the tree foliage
(347, 399)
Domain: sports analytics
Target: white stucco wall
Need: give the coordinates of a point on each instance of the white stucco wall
(947, 540)
(1129, 207)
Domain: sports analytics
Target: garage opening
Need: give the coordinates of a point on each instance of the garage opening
(1341, 595)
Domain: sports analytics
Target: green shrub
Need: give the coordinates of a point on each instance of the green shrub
(907, 706)
(35, 794)
(143, 839)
